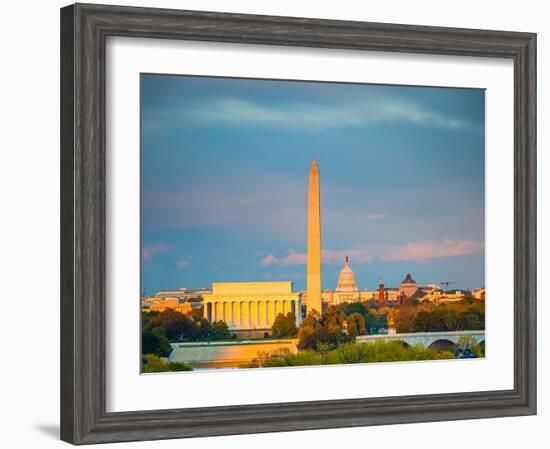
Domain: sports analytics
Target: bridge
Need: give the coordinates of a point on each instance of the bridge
(427, 339)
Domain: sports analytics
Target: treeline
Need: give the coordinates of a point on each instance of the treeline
(284, 326)
(151, 363)
(158, 329)
(379, 351)
(340, 324)
(467, 314)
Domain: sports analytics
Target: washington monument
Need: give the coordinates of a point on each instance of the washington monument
(314, 241)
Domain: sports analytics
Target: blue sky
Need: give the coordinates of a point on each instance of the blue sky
(224, 173)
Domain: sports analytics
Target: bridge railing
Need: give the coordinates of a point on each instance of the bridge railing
(448, 334)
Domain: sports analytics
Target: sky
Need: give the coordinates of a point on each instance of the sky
(224, 177)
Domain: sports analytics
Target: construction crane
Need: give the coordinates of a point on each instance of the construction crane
(446, 284)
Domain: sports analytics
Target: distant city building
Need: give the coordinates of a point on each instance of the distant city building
(479, 293)
(251, 305)
(182, 300)
(161, 303)
(438, 296)
(394, 296)
(382, 301)
(457, 295)
(408, 286)
(183, 293)
(389, 296)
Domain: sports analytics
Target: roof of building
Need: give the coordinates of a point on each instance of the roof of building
(408, 279)
(346, 278)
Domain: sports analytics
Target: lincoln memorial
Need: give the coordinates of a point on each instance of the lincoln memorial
(251, 305)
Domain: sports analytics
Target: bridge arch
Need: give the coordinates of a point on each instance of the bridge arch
(442, 344)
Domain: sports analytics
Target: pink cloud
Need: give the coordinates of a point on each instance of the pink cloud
(182, 264)
(376, 216)
(292, 259)
(408, 252)
(423, 251)
(149, 252)
(269, 260)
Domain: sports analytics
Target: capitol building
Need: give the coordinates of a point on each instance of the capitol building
(346, 289)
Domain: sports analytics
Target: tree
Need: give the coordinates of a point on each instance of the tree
(155, 342)
(377, 318)
(351, 328)
(146, 317)
(284, 326)
(152, 363)
(177, 326)
(470, 321)
(451, 319)
(431, 321)
(204, 329)
(179, 366)
(316, 329)
(403, 318)
(309, 331)
(220, 331)
(332, 329)
(411, 301)
(356, 307)
(356, 325)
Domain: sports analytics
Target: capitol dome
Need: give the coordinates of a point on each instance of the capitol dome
(346, 279)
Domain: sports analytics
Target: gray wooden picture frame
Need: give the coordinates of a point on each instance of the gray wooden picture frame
(84, 29)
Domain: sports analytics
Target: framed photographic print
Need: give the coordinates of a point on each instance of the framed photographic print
(274, 223)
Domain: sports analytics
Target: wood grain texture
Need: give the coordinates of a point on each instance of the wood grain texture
(84, 29)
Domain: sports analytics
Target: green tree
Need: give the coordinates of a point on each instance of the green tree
(435, 320)
(470, 321)
(220, 331)
(177, 326)
(356, 307)
(379, 351)
(146, 317)
(204, 330)
(179, 366)
(154, 341)
(451, 319)
(284, 326)
(154, 364)
(423, 321)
